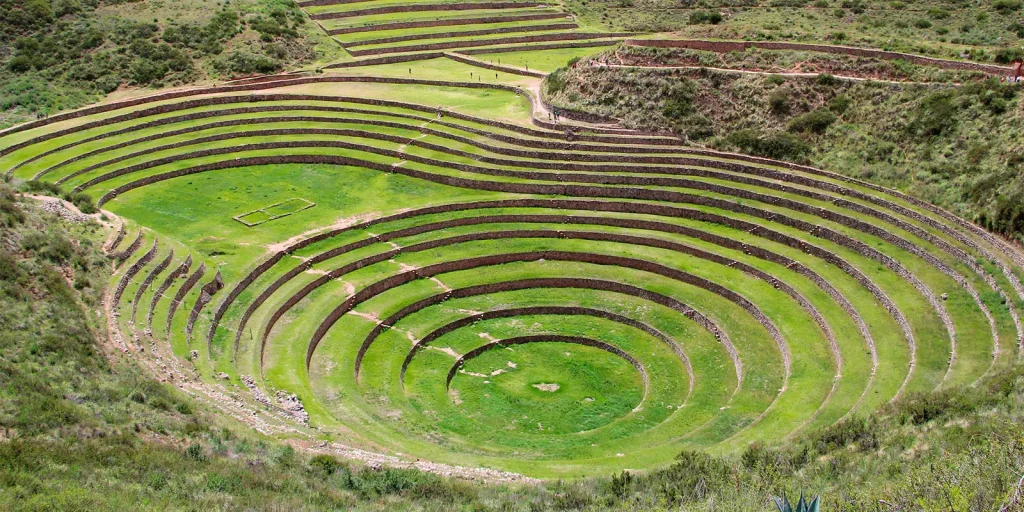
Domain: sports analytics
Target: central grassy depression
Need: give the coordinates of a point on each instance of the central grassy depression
(547, 387)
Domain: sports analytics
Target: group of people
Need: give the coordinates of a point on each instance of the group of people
(1018, 71)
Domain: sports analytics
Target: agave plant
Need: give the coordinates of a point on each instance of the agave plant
(803, 505)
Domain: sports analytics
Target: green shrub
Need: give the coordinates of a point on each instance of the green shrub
(1006, 6)
(826, 79)
(374, 484)
(691, 475)
(244, 63)
(324, 464)
(920, 408)
(702, 17)
(20, 64)
(679, 104)
(52, 246)
(555, 83)
(41, 187)
(9, 269)
(777, 145)
(195, 453)
(922, 23)
(935, 115)
(82, 201)
(10, 212)
(1008, 55)
(779, 100)
(815, 121)
(864, 432)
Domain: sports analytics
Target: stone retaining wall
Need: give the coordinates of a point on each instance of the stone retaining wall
(117, 239)
(183, 105)
(654, 195)
(182, 291)
(181, 271)
(465, 59)
(523, 340)
(388, 59)
(452, 34)
(146, 283)
(398, 8)
(673, 182)
(444, 23)
(121, 256)
(473, 43)
(205, 296)
(632, 223)
(425, 341)
(130, 273)
(397, 280)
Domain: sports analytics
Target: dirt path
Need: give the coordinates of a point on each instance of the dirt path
(795, 74)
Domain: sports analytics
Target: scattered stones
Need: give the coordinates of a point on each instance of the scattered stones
(58, 208)
(293, 405)
(257, 393)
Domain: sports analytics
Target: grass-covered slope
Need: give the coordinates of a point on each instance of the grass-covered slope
(986, 30)
(901, 125)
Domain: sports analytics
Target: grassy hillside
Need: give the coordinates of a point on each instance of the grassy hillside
(979, 29)
(58, 55)
(959, 147)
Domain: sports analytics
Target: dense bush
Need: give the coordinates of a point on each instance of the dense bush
(82, 201)
(245, 63)
(863, 432)
(41, 187)
(1008, 55)
(778, 145)
(779, 100)
(55, 65)
(701, 17)
(815, 121)
(1006, 6)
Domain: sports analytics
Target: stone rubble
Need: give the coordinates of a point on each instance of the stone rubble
(56, 206)
(293, 405)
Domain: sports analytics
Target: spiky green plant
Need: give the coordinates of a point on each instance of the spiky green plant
(802, 505)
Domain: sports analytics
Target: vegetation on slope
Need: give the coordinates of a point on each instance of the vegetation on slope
(58, 55)
(981, 30)
(956, 146)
